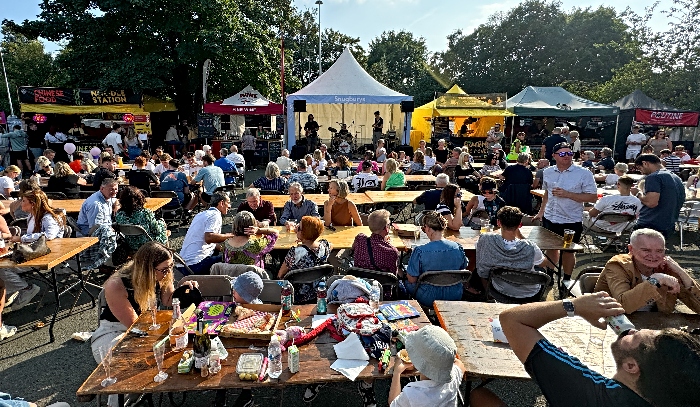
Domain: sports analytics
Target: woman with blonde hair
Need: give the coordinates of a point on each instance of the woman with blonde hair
(338, 210)
(393, 176)
(319, 162)
(44, 165)
(65, 180)
(245, 247)
(7, 181)
(438, 254)
(467, 177)
(272, 180)
(133, 144)
(418, 163)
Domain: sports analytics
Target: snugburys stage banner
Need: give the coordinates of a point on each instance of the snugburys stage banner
(666, 118)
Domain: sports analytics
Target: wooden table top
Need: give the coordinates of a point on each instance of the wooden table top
(420, 178)
(342, 238)
(467, 237)
(278, 201)
(404, 196)
(689, 166)
(134, 366)
(73, 205)
(468, 324)
(61, 251)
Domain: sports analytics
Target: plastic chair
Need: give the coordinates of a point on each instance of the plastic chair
(440, 278)
(586, 280)
(131, 230)
(175, 212)
(689, 217)
(595, 231)
(309, 274)
(516, 278)
(272, 292)
(213, 288)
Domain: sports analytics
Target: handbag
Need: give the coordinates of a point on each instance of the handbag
(23, 252)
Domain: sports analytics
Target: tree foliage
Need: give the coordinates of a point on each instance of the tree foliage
(400, 61)
(26, 63)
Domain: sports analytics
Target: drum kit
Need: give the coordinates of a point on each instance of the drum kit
(342, 142)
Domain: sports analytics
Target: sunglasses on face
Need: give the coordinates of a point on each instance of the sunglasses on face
(566, 153)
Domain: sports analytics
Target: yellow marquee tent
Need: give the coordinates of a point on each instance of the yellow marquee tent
(460, 109)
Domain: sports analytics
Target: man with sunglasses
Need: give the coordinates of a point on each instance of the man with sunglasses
(566, 188)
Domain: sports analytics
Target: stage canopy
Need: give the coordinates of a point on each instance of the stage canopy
(247, 101)
(649, 111)
(556, 102)
(347, 93)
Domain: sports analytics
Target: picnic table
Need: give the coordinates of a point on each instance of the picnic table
(468, 324)
(340, 238)
(61, 251)
(404, 196)
(73, 205)
(134, 366)
(601, 192)
(278, 201)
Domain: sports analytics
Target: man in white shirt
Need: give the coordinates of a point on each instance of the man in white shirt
(284, 162)
(114, 140)
(494, 135)
(634, 143)
(365, 179)
(625, 203)
(680, 153)
(203, 235)
(566, 188)
(236, 158)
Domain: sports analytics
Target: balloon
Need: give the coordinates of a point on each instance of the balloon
(95, 152)
(69, 148)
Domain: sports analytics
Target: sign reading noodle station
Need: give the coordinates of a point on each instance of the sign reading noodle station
(108, 97)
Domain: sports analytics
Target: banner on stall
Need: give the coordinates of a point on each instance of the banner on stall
(56, 96)
(108, 97)
(481, 101)
(666, 118)
(142, 123)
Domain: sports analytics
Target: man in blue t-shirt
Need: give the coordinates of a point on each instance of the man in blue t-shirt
(431, 198)
(662, 198)
(226, 165)
(211, 176)
(654, 368)
(176, 181)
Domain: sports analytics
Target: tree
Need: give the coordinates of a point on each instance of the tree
(159, 46)
(27, 64)
(400, 61)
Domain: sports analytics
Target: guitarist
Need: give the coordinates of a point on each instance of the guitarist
(377, 127)
(311, 131)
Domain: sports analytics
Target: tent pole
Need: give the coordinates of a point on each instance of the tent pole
(617, 123)
(512, 129)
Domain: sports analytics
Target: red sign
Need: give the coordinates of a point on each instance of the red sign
(666, 118)
(39, 118)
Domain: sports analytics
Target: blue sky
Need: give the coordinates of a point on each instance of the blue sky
(433, 20)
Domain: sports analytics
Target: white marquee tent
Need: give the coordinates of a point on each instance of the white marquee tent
(346, 93)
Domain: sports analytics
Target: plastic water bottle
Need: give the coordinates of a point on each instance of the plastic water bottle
(274, 356)
(374, 296)
(321, 302)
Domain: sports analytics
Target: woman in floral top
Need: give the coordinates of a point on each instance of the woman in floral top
(246, 247)
(132, 212)
(310, 252)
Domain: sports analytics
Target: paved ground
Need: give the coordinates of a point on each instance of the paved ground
(32, 368)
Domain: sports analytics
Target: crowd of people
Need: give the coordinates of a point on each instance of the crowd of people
(644, 279)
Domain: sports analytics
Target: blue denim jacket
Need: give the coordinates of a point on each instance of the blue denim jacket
(433, 256)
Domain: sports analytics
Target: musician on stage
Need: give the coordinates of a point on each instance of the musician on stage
(377, 128)
(344, 133)
(311, 127)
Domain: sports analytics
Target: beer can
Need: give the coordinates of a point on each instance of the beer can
(619, 324)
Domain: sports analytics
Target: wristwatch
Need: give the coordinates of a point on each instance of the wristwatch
(568, 307)
(654, 281)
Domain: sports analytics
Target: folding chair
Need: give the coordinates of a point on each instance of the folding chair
(385, 279)
(56, 195)
(309, 274)
(594, 231)
(689, 217)
(585, 281)
(169, 211)
(439, 278)
(272, 292)
(213, 288)
(515, 277)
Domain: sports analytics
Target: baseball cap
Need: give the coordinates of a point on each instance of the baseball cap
(561, 145)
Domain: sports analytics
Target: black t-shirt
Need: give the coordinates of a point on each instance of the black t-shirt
(68, 185)
(516, 174)
(430, 198)
(550, 142)
(565, 381)
(465, 182)
(311, 126)
(142, 179)
(441, 155)
(378, 124)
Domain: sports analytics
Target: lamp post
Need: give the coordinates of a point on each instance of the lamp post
(320, 70)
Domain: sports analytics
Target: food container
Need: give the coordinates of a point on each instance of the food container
(249, 365)
(186, 362)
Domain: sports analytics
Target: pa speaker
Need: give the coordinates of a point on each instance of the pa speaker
(407, 106)
(299, 106)
(225, 125)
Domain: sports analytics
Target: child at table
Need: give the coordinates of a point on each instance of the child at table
(246, 288)
(433, 353)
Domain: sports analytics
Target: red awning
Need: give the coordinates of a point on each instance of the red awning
(218, 108)
(667, 118)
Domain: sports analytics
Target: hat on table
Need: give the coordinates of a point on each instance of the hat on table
(432, 352)
(248, 285)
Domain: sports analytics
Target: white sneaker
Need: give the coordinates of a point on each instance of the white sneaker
(6, 331)
(25, 296)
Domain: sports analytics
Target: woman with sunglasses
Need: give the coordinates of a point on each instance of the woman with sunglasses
(450, 206)
(467, 177)
(439, 254)
(486, 204)
(660, 142)
(491, 165)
